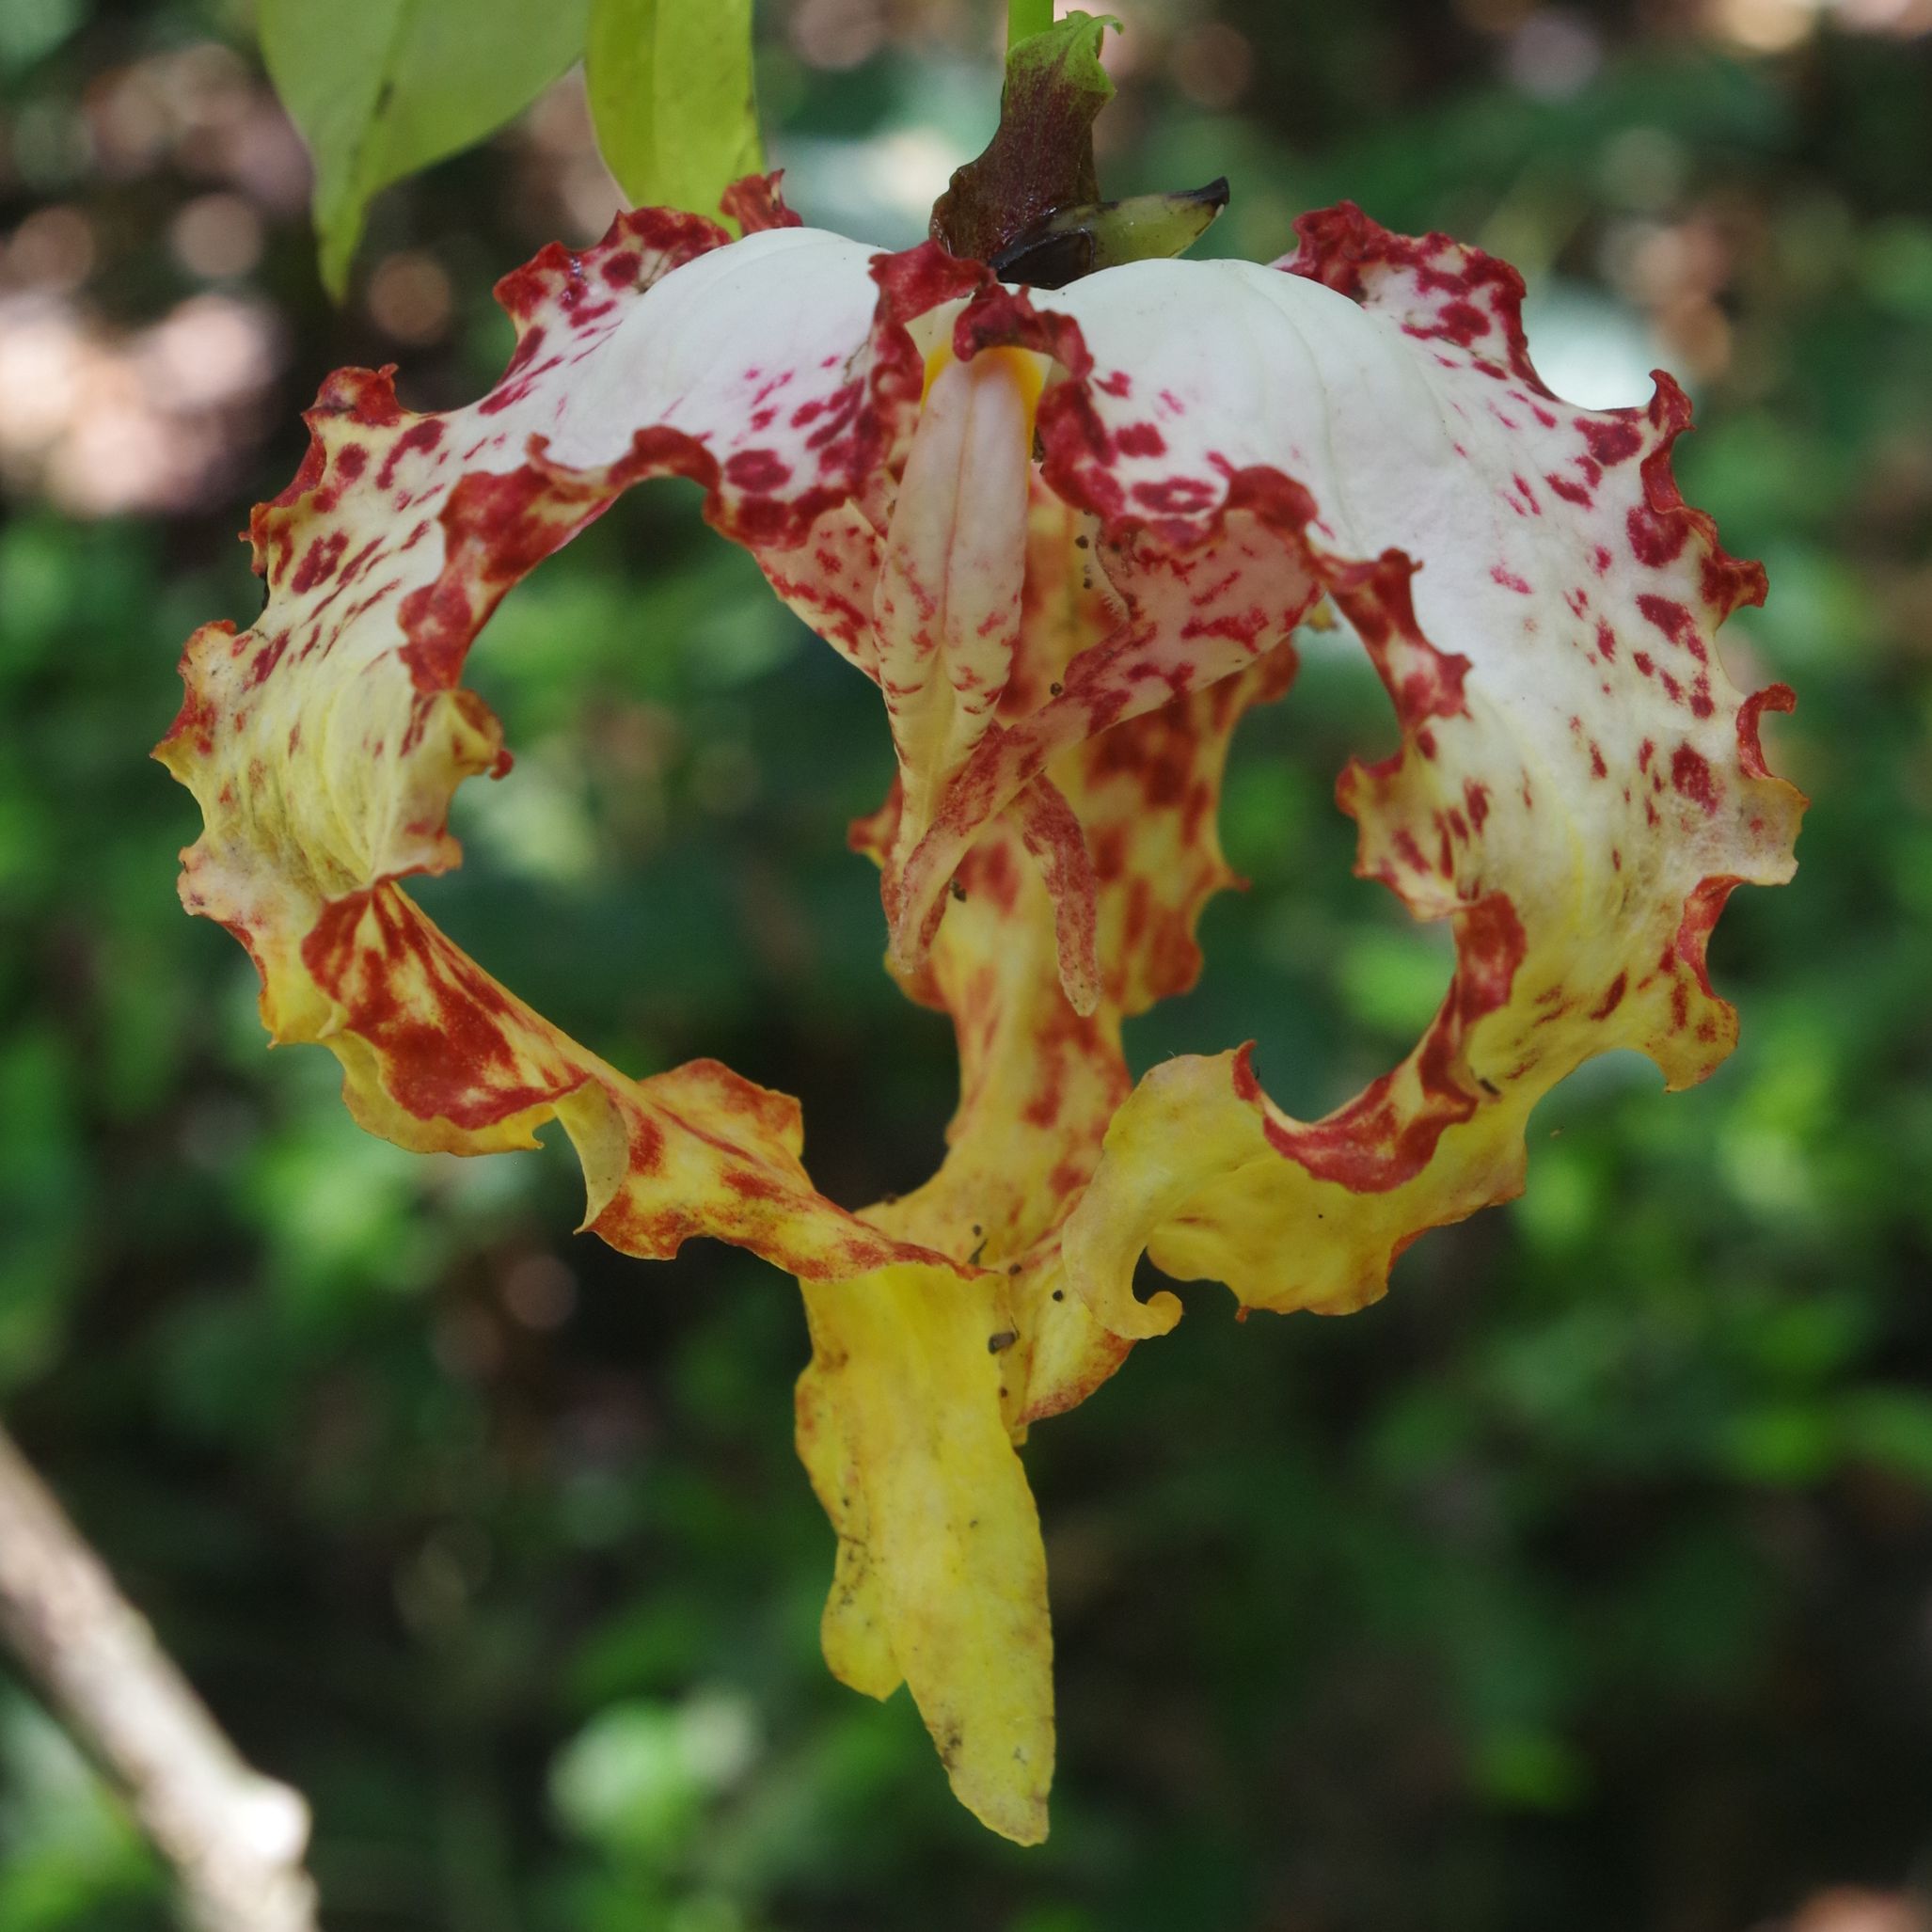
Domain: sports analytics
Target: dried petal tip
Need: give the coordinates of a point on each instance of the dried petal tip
(1068, 243)
(755, 204)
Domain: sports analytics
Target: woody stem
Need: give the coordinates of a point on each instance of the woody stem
(234, 1838)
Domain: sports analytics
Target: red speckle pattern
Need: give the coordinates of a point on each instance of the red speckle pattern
(1220, 449)
(1070, 567)
(1555, 632)
(384, 559)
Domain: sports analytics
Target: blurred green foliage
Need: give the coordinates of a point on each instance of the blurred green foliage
(1586, 1581)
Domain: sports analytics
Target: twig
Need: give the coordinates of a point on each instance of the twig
(234, 1838)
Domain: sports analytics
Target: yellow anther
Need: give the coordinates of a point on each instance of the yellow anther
(1028, 371)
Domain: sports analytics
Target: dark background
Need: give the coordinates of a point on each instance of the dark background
(1585, 1582)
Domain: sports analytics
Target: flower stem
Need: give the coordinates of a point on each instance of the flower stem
(1024, 17)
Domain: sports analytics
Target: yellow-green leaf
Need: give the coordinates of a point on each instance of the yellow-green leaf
(383, 87)
(671, 90)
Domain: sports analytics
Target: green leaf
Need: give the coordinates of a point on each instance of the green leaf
(671, 90)
(382, 88)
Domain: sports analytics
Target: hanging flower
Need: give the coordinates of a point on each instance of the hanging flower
(1069, 534)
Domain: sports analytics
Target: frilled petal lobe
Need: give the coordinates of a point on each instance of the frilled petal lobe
(324, 742)
(1579, 784)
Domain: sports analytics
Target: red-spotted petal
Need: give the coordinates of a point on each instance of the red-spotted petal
(1580, 783)
(324, 742)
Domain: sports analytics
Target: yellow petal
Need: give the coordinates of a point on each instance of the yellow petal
(853, 1634)
(947, 1542)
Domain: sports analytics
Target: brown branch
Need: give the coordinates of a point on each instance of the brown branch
(234, 1838)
